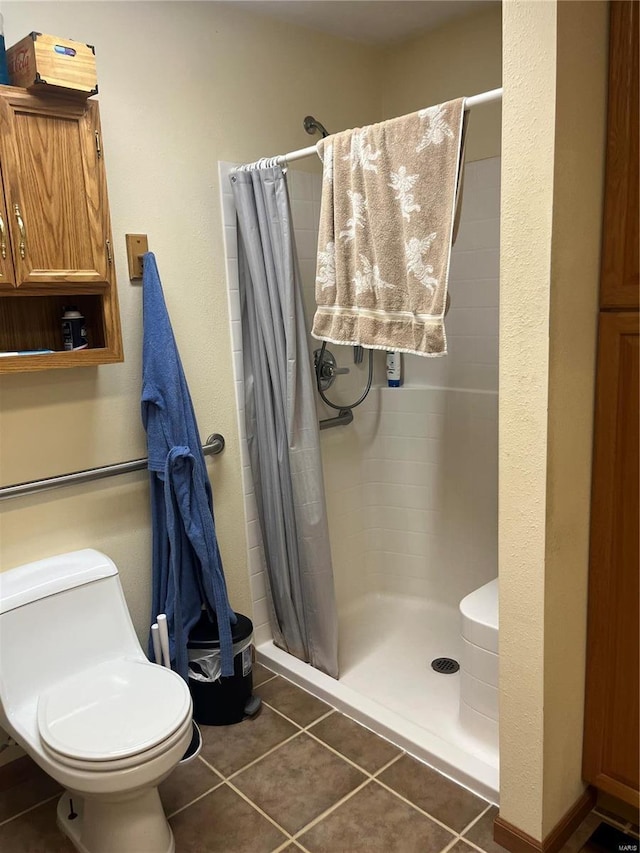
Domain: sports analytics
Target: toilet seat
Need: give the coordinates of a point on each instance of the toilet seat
(134, 761)
(118, 714)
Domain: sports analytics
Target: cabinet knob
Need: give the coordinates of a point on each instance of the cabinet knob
(21, 229)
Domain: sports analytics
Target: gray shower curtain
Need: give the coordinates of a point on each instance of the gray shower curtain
(281, 423)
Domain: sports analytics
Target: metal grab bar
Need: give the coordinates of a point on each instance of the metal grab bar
(342, 419)
(213, 446)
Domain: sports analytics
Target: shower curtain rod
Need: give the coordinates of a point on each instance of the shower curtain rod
(473, 101)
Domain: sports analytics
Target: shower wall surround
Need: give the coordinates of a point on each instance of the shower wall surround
(411, 484)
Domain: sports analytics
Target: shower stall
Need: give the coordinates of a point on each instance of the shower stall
(411, 493)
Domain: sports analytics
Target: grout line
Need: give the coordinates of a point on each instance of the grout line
(31, 808)
(389, 763)
(271, 677)
(471, 843)
(260, 757)
(307, 730)
(323, 717)
(304, 690)
(284, 716)
(340, 755)
(458, 836)
(282, 846)
(476, 819)
(451, 844)
(260, 811)
(332, 808)
(293, 722)
(422, 811)
(211, 767)
(199, 797)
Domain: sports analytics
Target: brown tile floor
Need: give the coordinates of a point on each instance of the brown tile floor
(299, 776)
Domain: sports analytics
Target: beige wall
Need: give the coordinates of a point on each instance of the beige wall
(461, 57)
(553, 147)
(575, 268)
(182, 85)
(525, 230)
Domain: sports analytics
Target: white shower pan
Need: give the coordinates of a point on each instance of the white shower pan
(390, 687)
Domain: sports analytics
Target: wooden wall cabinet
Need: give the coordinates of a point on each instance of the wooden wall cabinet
(611, 759)
(7, 278)
(56, 231)
(619, 279)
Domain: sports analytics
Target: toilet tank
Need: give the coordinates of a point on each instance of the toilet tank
(60, 616)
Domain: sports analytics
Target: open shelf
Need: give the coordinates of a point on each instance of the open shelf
(33, 322)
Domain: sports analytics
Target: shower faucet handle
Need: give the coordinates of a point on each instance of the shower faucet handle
(328, 368)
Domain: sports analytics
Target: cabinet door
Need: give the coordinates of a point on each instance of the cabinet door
(619, 281)
(55, 190)
(6, 266)
(611, 712)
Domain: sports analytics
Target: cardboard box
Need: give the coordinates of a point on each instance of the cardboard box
(40, 62)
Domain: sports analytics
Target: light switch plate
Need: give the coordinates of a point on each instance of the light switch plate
(137, 245)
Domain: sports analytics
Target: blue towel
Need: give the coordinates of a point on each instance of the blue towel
(187, 568)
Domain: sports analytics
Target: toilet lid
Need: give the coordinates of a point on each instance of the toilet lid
(117, 709)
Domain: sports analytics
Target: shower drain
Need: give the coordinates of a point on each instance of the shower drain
(445, 665)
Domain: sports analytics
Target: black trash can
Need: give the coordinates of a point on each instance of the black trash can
(219, 701)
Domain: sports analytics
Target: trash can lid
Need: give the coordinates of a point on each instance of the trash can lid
(204, 634)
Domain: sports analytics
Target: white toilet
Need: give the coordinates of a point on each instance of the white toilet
(80, 697)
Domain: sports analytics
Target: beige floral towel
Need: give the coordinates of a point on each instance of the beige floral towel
(386, 229)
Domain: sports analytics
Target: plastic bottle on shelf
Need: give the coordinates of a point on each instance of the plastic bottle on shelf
(394, 368)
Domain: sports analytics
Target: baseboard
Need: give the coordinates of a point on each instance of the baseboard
(517, 841)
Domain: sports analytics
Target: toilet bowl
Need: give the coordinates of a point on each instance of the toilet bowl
(479, 662)
(81, 698)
